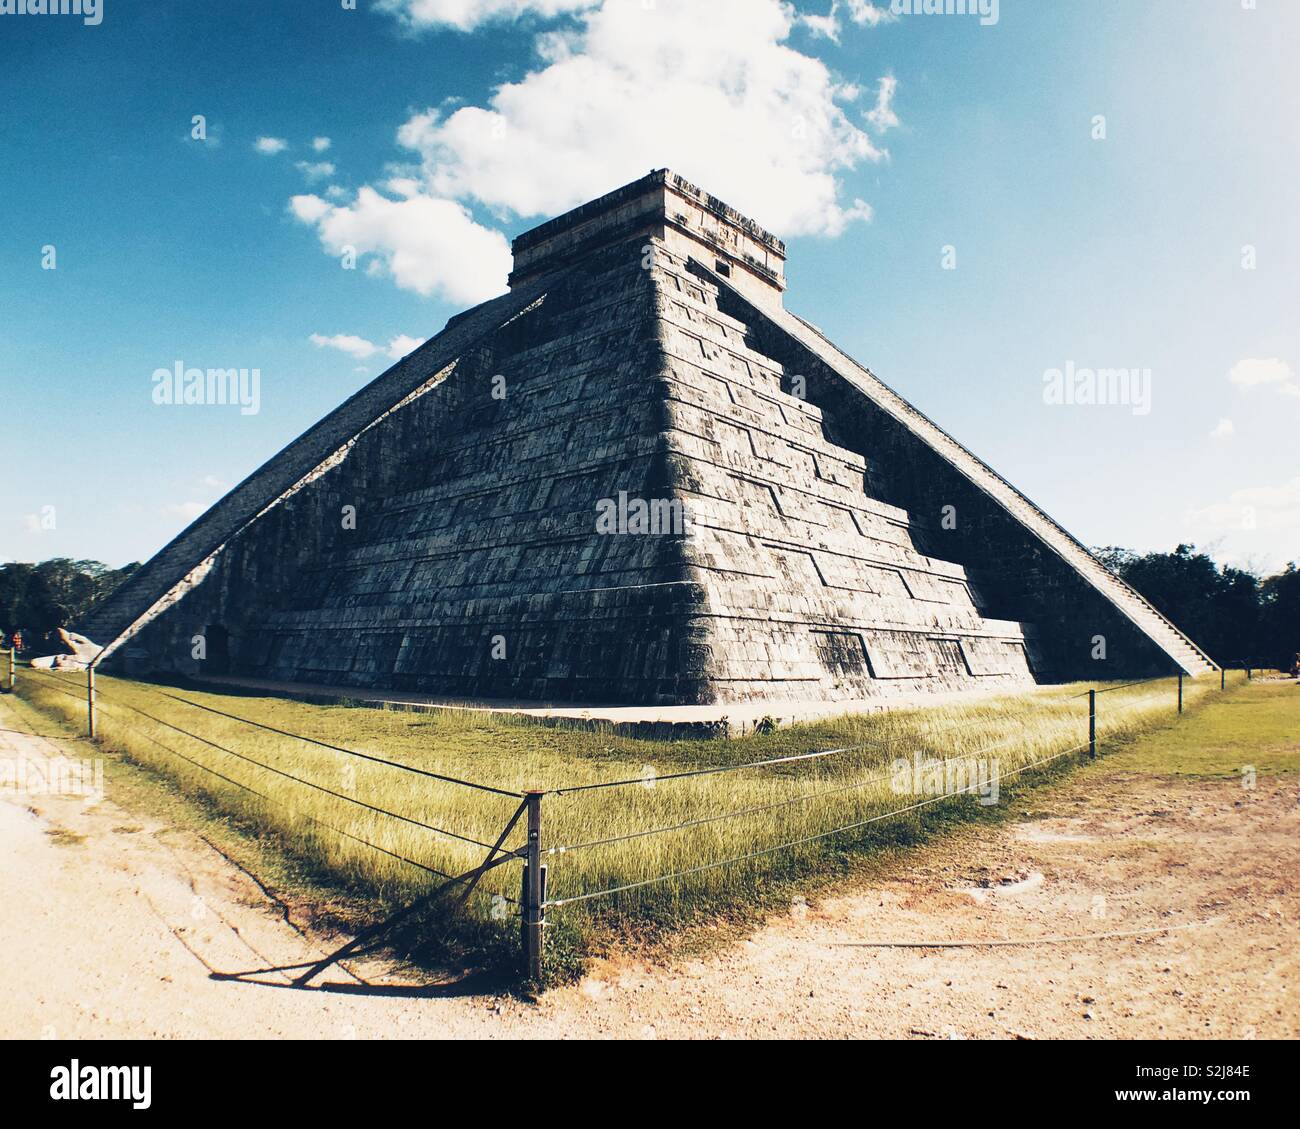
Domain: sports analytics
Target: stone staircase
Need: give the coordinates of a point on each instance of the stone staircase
(1183, 654)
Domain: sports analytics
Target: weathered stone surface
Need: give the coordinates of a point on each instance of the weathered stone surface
(644, 356)
(77, 653)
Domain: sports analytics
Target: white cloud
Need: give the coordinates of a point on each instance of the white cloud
(864, 12)
(320, 144)
(270, 146)
(1263, 508)
(827, 26)
(1224, 429)
(322, 170)
(466, 15)
(883, 118)
(348, 343)
(361, 349)
(429, 245)
(401, 345)
(1254, 371)
(861, 12)
(404, 186)
(213, 482)
(712, 91)
(188, 511)
(309, 209)
(709, 90)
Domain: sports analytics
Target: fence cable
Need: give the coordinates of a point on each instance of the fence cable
(964, 723)
(707, 771)
(1141, 702)
(288, 808)
(314, 741)
(685, 774)
(944, 762)
(716, 818)
(559, 902)
(774, 806)
(341, 749)
(115, 701)
(299, 779)
(1130, 685)
(61, 686)
(43, 736)
(268, 799)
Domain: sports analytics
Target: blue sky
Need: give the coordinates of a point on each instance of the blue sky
(872, 141)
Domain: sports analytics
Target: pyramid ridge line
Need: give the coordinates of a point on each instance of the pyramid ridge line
(124, 613)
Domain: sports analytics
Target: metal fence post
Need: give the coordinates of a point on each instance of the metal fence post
(1223, 678)
(13, 651)
(534, 916)
(1092, 724)
(90, 701)
(1249, 674)
(1180, 691)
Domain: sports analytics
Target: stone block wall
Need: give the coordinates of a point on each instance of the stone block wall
(476, 569)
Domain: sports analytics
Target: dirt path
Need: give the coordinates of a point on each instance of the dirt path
(114, 923)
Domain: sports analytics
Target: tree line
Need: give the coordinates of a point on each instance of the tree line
(1233, 615)
(39, 598)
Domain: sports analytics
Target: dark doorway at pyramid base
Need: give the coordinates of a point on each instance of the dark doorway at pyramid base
(216, 650)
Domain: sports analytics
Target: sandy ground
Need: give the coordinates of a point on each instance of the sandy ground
(113, 925)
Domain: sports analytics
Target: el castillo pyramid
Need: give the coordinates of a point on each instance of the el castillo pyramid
(635, 478)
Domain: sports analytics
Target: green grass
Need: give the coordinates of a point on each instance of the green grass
(798, 801)
(1259, 730)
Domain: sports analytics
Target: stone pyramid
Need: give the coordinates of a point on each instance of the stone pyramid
(635, 478)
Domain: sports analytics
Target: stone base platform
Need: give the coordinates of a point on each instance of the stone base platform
(667, 723)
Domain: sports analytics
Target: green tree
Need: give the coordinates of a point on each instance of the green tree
(53, 593)
(1231, 613)
(1281, 616)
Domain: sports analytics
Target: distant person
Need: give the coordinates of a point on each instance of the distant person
(1295, 666)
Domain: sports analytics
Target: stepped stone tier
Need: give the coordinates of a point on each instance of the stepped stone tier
(635, 478)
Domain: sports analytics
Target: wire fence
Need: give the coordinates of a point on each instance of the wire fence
(791, 844)
(127, 717)
(1129, 708)
(1054, 721)
(266, 797)
(341, 749)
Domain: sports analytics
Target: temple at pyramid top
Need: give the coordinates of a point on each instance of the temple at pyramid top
(635, 478)
(665, 207)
